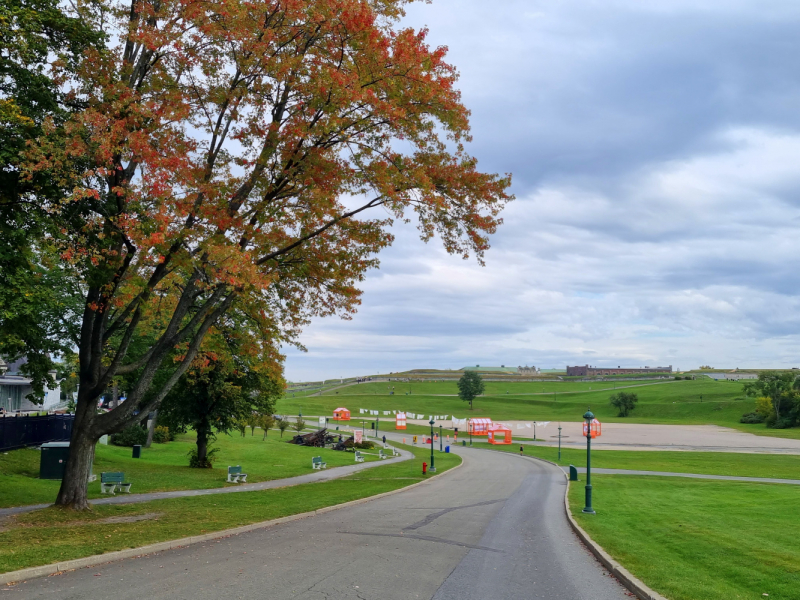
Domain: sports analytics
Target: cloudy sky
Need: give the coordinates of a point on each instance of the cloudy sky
(655, 148)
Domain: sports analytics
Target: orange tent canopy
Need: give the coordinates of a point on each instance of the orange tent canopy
(499, 434)
(400, 420)
(341, 414)
(479, 426)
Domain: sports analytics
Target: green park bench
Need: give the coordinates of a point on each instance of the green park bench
(359, 457)
(318, 463)
(382, 454)
(113, 480)
(235, 475)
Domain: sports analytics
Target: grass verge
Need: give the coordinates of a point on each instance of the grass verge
(698, 540)
(50, 535)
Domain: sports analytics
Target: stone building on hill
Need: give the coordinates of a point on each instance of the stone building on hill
(587, 371)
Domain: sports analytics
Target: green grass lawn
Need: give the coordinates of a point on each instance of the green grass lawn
(698, 402)
(164, 467)
(698, 540)
(780, 466)
(52, 534)
(661, 402)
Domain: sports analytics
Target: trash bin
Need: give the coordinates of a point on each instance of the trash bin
(573, 473)
(447, 449)
(53, 460)
(463, 442)
(137, 451)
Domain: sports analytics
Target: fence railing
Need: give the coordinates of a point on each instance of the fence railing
(21, 431)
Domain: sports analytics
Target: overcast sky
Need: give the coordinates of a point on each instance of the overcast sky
(655, 149)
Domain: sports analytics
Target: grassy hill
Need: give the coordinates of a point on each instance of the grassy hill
(670, 401)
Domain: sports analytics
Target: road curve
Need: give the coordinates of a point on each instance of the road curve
(493, 528)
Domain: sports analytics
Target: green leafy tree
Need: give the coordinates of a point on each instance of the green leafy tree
(220, 392)
(299, 425)
(470, 386)
(40, 301)
(624, 402)
(267, 422)
(282, 425)
(782, 388)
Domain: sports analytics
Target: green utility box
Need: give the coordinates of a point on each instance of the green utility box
(53, 460)
(573, 473)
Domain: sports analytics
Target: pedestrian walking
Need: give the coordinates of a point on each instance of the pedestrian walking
(384, 439)
(521, 450)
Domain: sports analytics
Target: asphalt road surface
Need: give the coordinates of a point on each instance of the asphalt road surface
(494, 528)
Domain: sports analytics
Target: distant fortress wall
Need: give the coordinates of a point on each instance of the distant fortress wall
(587, 371)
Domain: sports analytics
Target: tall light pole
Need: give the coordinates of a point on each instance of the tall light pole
(440, 438)
(559, 442)
(433, 468)
(589, 417)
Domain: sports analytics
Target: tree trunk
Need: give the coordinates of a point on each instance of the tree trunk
(151, 428)
(203, 431)
(73, 492)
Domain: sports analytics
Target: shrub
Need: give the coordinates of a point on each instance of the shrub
(135, 435)
(196, 463)
(365, 445)
(624, 402)
(161, 435)
(752, 417)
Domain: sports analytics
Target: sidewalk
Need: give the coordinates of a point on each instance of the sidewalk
(313, 477)
(689, 475)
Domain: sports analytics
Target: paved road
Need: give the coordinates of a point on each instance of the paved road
(689, 475)
(494, 528)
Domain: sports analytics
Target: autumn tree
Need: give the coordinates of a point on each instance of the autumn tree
(248, 156)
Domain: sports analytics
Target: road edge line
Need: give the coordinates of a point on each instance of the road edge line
(13, 577)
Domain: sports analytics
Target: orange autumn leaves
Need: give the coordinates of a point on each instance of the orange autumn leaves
(233, 139)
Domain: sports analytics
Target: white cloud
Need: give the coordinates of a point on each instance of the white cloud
(654, 148)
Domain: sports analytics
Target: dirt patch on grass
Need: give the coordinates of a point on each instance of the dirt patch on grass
(129, 519)
(11, 522)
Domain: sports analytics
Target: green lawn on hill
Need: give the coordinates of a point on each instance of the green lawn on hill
(669, 402)
(165, 467)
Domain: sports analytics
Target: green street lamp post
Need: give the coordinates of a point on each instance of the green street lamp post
(433, 468)
(559, 443)
(440, 438)
(589, 417)
(377, 421)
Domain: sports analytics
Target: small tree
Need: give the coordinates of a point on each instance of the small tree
(282, 424)
(469, 386)
(624, 402)
(299, 425)
(253, 421)
(267, 422)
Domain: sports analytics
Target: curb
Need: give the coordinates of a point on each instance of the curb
(625, 577)
(13, 577)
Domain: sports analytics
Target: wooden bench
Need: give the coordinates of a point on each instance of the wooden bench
(318, 463)
(382, 454)
(359, 457)
(113, 480)
(235, 475)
